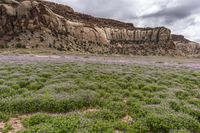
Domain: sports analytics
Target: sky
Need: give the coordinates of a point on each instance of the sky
(181, 16)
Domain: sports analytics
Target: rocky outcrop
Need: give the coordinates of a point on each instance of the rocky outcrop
(42, 24)
(180, 38)
(184, 46)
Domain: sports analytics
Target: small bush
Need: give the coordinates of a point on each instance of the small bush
(153, 101)
(182, 95)
(72, 123)
(104, 114)
(166, 123)
(35, 86)
(118, 108)
(36, 119)
(153, 88)
(3, 117)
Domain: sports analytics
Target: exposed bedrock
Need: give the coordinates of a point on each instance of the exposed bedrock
(40, 24)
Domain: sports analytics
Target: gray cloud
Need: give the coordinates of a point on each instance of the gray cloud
(182, 16)
(173, 14)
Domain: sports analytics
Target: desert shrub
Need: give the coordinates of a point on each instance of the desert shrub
(35, 86)
(68, 86)
(7, 128)
(41, 128)
(166, 123)
(137, 94)
(182, 95)
(46, 103)
(135, 107)
(45, 75)
(3, 117)
(23, 83)
(118, 108)
(194, 101)
(72, 123)
(140, 126)
(125, 93)
(180, 131)
(195, 112)
(153, 88)
(15, 86)
(89, 85)
(152, 101)
(1, 81)
(132, 86)
(36, 119)
(141, 84)
(115, 97)
(104, 114)
(6, 91)
(177, 106)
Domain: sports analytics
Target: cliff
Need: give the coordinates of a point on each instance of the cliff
(42, 24)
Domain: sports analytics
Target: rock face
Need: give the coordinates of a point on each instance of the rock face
(185, 46)
(42, 24)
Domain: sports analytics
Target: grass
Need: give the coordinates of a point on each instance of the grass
(157, 99)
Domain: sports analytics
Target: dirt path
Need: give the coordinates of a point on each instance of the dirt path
(2, 126)
(16, 125)
(193, 63)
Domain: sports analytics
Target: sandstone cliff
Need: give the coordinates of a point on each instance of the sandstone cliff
(185, 46)
(42, 24)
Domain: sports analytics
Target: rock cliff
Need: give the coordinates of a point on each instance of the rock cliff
(42, 24)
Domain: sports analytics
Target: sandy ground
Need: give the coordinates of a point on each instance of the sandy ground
(176, 62)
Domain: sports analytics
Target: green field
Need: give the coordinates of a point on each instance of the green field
(80, 97)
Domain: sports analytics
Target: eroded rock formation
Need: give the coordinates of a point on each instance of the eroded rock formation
(42, 24)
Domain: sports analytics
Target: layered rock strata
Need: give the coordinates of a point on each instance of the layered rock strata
(42, 24)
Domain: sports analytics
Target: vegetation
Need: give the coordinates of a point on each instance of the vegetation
(156, 99)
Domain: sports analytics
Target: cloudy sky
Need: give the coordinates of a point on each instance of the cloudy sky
(182, 16)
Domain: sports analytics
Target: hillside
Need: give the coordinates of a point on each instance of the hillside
(42, 24)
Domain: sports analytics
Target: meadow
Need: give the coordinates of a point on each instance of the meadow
(83, 97)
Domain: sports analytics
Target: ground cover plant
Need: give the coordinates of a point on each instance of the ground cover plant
(79, 97)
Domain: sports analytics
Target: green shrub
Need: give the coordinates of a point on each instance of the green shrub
(194, 101)
(57, 103)
(166, 123)
(1, 81)
(36, 119)
(72, 123)
(137, 94)
(182, 95)
(3, 117)
(180, 131)
(6, 91)
(23, 83)
(35, 86)
(135, 107)
(104, 114)
(152, 101)
(7, 128)
(118, 108)
(153, 88)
